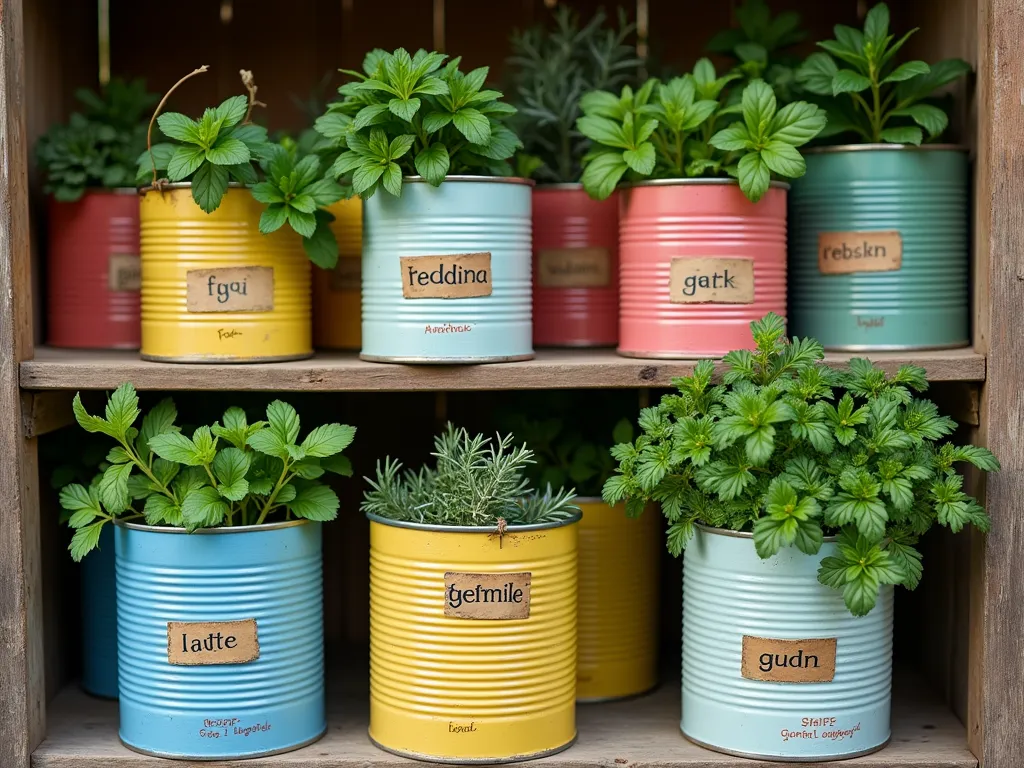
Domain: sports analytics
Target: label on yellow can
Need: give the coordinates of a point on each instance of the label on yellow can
(711, 280)
(455, 276)
(487, 595)
(232, 289)
(789, 661)
(201, 643)
(124, 272)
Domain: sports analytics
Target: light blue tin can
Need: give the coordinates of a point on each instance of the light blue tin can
(878, 248)
(774, 665)
(446, 272)
(220, 634)
(99, 620)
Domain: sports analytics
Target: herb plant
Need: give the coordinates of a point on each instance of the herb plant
(794, 450)
(551, 70)
(476, 481)
(683, 128)
(871, 95)
(229, 473)
(97, 147)
(410, 116)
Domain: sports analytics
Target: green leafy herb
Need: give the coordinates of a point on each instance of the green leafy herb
(869, 93)
(550, 71)
(794, 450)
(683, 128)
(410, 116)
(476, 481)
(229, 473)
(97, 148)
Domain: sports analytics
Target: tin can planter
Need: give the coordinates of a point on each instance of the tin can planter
(618, 602)
(699, 263)
(575, 268)
(92, 271)
(774, 665)
(214, 290)
(337, 296)
(220, 634)
(879, 247)
(446, 272)
(99, 620)
(472, 640)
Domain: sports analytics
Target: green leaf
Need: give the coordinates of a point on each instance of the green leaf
(473, 125)
(267, 193)
(160, 419)
(269, 442)
(177, 126)
(303, 223)
(174, 446)
(328, 440)
(908, 560)
(848, 81)
(113, 488)
(907, 70)
(338, 464)
(322, 246)
(758, 109)
(85, 540)
(732, 138)
(315, 502)
(209, 186)
(754, 176)
(231, 465)
(641, 159)
(366, 176)
(876, 26)
(816, 73)
(433, 163)
(783, 159)
(184, 162)
(228, 152)
(406, 109)
(76, 497)
(273, 218)
(902, 136)
(232, 110)
(435, 121)
(392, 179)
(203, 508)
(160, 510)
(602, 173)
(797, 123)
(122, 410)
(373, 114)
(932, 119)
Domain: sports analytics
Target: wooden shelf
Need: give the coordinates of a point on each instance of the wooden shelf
(341, 372)
(640, 733)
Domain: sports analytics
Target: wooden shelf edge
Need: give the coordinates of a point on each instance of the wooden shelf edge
(639, 733)
(344, 372)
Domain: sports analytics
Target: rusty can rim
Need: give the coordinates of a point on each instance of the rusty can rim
(746, 534)
(468, 177)
(489, 530)
(212, 531)
(677, 182)
(184, 185)
(870, 147)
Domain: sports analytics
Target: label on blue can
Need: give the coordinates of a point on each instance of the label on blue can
(200, 643)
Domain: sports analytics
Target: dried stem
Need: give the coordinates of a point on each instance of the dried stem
(250, 85)
(156, 112)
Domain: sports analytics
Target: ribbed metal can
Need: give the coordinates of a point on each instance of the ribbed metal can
(258, 586)
(337, 298)
(99, 619)
(474, 305)
(699, 262)
(879, 248)
(92, 271)
(618, 602)
(575, 268)
(215, 290)
(774, 665)
(487, 680)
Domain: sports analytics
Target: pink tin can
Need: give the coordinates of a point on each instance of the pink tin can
(575, 268)
(699, 262)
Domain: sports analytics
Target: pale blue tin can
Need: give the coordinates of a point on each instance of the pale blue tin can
(99, 620)
(748, 624)
(270, 575)
(405, 321)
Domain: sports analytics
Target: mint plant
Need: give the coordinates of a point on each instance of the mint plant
(410, 116)
(228, 473)
(872, 95)
(794, 450)
(684, 128)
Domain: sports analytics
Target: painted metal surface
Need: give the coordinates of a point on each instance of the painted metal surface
(337, 298)
(178, 237)
(618, 602)
(465, 214)
(88, 239)
(99, 619)
(696, 218)
(269, 573)
(922, 193)
(565, 217)
(729, 593)
(461, 690)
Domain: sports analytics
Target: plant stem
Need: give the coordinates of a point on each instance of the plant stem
(149, 131)
(281, 482)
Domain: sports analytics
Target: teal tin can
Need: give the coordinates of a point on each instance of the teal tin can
(774, 665)
(446, 272)
(878, 248)
(99, 620)
(220, 639)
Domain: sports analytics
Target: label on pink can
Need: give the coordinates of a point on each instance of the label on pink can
(704, 280)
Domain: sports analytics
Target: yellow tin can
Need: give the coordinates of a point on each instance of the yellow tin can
(472, 640)
(618, 602)
(337, 293)
(215, 290)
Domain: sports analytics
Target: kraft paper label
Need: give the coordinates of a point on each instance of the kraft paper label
(457, 276)
(789, 661)
(705, 280)
(487, 595)
(124, 272)
(348, 274)
(199, 643)
(573, 268)
(840, 253)
(233, 289)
